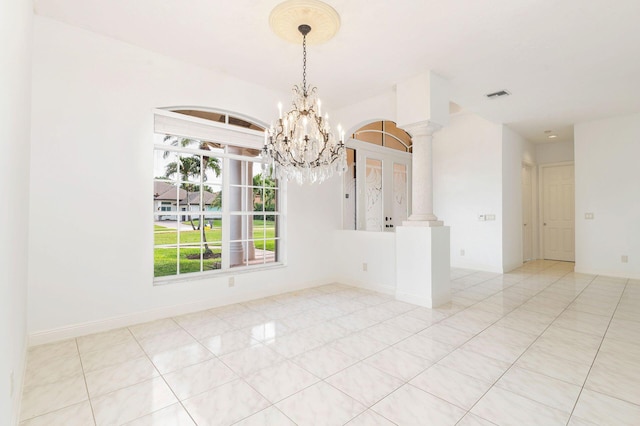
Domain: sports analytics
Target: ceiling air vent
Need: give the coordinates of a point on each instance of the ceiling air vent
(499, 94)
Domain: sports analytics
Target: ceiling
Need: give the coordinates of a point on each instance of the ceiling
(564, 61)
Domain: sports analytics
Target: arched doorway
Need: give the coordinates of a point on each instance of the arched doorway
(377, 181)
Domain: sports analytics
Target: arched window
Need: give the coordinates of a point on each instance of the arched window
(386, 134)
(213, 209)
(377, 181)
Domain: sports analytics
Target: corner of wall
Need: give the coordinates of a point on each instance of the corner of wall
(606, 174)
(516, 150)
(16, 33)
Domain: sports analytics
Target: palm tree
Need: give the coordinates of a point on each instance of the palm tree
(217, 200)
(187, 167)
(207, 162)
(193, 167)
(264, 190)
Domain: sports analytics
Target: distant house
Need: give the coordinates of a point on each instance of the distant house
(169, 198)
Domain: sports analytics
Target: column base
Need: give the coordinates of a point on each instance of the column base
(236, 253)
(424, 223)
(423, 265)
(426, 219)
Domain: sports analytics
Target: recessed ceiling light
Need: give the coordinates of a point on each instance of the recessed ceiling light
(497, 94)
(552, 136)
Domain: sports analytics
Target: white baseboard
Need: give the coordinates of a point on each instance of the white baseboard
(413, 299)
(511, 267)
(19, 387)
(384, 289)
(380, 288)
(612, 274)
(456, 263)
(90, 327)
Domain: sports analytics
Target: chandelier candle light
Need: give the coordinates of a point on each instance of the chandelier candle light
(301, 145)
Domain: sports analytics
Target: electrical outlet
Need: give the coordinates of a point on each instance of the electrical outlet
(365, 267)
(624, 259)
(232, 281)
(588, 216)
(490, 217)
(462, 252)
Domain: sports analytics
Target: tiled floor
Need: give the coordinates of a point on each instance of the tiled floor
(541, 345)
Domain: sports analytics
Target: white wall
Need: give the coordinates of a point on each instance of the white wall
(515, 151)
(554, 152)
(376, 249)
(376, 108)
(15, 84)
(607, 184)
(92, 167)
(467, 175)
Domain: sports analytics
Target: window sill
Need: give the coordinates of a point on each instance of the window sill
(160, 281)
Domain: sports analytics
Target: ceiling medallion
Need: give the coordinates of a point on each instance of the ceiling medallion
(286, 17)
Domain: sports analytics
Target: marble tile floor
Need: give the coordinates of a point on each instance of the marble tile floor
(540, 345)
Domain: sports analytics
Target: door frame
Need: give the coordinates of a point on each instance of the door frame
(540, 221)
(386, 155)
(534, 210)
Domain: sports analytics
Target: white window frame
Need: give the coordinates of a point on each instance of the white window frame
(181, 125)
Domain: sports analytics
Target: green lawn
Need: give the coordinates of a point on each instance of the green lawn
(217, 223)
(165, 259)
(165, 262)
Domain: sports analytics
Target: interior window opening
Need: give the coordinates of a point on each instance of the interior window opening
(376, 195)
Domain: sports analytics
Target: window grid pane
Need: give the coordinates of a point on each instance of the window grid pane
(189, 217)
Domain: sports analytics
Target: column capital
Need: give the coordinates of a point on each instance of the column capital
(422, 128)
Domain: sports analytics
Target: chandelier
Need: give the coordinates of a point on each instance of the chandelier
(301, 145)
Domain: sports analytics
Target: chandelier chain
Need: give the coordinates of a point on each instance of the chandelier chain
(304, 64)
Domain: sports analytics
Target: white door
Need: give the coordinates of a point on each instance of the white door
(558, 215)
(383, 203)
(527, 223)
(373, 195)
(398, 199)
(349, 184)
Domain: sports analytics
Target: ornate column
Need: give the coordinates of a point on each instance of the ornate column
(236, 249)
(249, 246)
(422, 242)
(422, 175)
